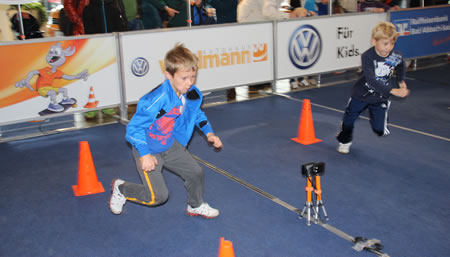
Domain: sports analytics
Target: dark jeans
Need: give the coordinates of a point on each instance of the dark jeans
(135, 24)
(378, 113)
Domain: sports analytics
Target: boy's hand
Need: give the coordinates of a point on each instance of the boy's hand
(402, 84)
(148, 162)
(214, 140)
(400, 92)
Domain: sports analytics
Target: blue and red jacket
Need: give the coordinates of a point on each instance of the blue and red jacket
(158, 121)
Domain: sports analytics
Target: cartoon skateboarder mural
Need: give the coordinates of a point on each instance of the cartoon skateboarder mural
(44, 83)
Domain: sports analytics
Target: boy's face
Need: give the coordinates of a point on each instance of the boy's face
(182, 80)
(383, 46)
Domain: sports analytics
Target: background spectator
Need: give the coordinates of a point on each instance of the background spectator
(349, 5)
(31, 26)
(200, 15)
(133, 10)
(177, 12)
(34, 16)
(6, 33)
(373, 6)
(393, 4)
(104, 16)
(418, 3)
(74, 11)
(301, 81)
(310, 5)
(151, 16)
(259, 10)
(226, 11)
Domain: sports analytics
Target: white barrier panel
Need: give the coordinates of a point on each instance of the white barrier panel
(323, 44)
(228, 56)
(16, 1)
(85, 70)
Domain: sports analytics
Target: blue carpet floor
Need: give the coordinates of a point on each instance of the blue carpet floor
(394, 189)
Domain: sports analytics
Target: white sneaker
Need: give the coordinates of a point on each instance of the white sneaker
(344, 148)
(117, 200)
(304, 83)
(203, 210)
(312, 81)
(293, 84)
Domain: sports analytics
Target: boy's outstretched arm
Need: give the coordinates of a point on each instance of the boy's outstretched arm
(204, 125)
(214, 140)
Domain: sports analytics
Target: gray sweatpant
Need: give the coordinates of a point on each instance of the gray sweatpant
(153, 190)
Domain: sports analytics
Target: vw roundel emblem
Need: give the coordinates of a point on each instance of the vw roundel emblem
(140, 67)
(305, 46)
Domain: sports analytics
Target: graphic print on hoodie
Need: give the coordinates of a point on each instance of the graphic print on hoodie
(161, 131)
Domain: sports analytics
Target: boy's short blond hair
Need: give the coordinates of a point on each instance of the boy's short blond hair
(385, 30)
(180, 58)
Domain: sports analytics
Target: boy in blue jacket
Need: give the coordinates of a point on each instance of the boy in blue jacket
(159, 132)
(373, 90)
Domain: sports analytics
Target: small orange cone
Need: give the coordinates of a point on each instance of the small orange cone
(225, 248)
(87, 177)
(92, 103)
(306, 135)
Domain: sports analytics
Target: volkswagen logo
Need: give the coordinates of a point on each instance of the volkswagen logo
(305, 47)
(140, 67)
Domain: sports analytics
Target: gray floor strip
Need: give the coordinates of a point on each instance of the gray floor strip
(324, 225)
(367, 118)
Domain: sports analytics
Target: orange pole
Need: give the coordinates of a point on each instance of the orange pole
(309, 190)
(308, 204)
(319, 203)
(318, 190)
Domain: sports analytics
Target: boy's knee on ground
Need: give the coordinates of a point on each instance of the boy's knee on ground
(156, 199)
(161, 197)
(148, 196)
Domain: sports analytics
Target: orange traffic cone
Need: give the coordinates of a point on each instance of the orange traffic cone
(92, 103)
(306, 133)
(225, 248)
(87, 177)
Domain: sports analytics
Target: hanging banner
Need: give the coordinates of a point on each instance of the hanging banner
(428, 28)
(41, 79)
(228, 56)
(323, 44)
